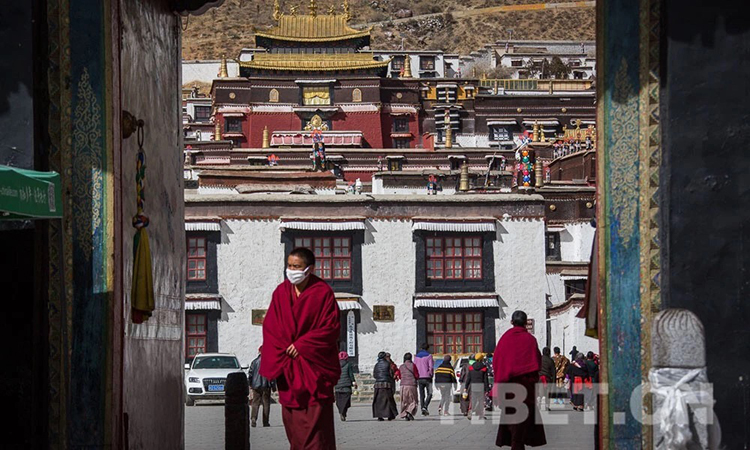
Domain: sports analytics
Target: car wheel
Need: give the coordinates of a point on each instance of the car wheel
(190, 401)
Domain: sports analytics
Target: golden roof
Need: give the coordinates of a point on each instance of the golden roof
(309, 28)
(313, 62)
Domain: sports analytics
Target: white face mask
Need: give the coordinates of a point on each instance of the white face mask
(297, 276)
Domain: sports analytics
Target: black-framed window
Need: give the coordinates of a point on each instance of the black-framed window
(426, 63)
(455, 262)
(433, 323)
(574, 287)
(500, 133)
(454, 258)
(552, 246)
(401, 124)
(233, 125)
(196, 258)
(398, 63)
(201, 250)
(201, 332)
(401, 143)
(451, 332)
(202, 113)
(333, 255)
(347, 268)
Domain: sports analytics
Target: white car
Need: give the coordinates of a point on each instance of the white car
(207, 375)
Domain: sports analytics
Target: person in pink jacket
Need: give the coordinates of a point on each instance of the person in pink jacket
(425, 365)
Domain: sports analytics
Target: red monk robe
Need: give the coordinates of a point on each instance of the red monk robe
(305, 383)
(517, 360)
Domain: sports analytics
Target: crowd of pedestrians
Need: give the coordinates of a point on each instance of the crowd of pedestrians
(299, 359)
(574, 379)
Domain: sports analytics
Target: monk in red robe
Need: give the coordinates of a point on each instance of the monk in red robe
(516, 362)
(300, 351)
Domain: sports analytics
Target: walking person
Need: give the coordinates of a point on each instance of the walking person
(561, 364)
(464, 398)
(261, 389)
(590, 383)
(300, 351)
(343, 389)
(445, 380)
(426, 364)
(518, 361)
(546, 379)
(409, 377)
(577, 373)
(383, 404)
(476, 383)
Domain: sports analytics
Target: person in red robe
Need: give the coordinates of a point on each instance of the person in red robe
(517, 361)
(300, 351)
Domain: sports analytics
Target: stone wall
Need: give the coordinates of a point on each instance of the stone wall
(153, 352)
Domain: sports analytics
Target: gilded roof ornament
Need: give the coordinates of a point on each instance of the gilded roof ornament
(347, 13)
(331, 10)
(276, 10)
(293, 10)
(313, 8)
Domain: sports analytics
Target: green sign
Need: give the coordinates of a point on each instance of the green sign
(28, 194)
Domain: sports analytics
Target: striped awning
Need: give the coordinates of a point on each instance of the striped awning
(202, 226)
(322, 224)
(195, 302)
(502, 122)
(574, 274)
(450, 300)
(547, 122)
(347, 301)
(469, 225)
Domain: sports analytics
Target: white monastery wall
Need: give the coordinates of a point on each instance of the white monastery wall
(567, 330)
(250, 266)
(555, 288)
(206, 71)
(576, 241)
(388, 277)
(520, 273)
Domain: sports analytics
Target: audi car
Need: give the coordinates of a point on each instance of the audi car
(207, 374)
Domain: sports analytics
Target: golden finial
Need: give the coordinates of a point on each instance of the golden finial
(331, 10)
(407, 67)
(223, 72)
(276, 10)
(347, 14)
(266, 138)
(293, 10)
(313, 8)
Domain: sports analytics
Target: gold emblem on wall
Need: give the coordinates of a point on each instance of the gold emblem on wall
(316, 123)
(383, 313)
(257, 316)
(273, 96)
(356, 95)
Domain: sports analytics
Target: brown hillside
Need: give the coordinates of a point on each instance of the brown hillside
(229, 28)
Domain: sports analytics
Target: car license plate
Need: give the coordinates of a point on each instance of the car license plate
(216, 387)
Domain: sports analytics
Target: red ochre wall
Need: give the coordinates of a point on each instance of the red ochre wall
(254, 124)
(387, 127)
(368, 123)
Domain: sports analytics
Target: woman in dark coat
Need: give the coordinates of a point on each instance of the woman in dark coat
(343, 389)
(383, 404)
(577, 374)
(546, 378)
(464, 398)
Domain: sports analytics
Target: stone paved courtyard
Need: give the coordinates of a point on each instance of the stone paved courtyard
(204, 430)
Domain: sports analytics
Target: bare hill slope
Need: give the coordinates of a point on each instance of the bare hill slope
(433, 24)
